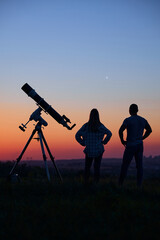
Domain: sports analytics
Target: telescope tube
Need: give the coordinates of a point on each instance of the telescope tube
(42, 103)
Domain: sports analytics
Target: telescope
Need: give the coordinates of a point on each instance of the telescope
(46, 108)
(42, 105)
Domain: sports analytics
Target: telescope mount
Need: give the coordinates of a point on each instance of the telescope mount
(38, 130)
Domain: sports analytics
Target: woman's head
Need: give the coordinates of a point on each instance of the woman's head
(94, 121)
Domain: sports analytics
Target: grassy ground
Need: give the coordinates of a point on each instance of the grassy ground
(36, 209)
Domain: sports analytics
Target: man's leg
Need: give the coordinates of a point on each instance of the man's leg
(97, 164)
(88, 164)
(139, 163)
(127, 158)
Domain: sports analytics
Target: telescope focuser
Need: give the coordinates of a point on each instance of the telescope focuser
(66, 120)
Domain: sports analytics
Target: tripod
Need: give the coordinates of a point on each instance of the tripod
(38, 129)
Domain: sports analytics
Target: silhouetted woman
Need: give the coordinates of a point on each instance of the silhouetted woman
(91, 135)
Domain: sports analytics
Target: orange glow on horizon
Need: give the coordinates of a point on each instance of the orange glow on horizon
(61, 141)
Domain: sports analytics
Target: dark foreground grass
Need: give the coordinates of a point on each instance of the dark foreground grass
(36, 209)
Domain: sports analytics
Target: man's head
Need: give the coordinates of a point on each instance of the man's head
(133, 109)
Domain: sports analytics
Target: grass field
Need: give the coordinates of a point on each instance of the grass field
(36, 209)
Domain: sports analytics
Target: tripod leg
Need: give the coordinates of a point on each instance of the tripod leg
(52, 158)
(44, 155)
(20, 156)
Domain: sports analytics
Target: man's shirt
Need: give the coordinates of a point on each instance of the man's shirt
(135, 126)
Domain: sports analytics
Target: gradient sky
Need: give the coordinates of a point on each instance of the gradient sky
(78, 55)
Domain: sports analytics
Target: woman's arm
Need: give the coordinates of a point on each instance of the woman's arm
(80, 135)
(108, 137)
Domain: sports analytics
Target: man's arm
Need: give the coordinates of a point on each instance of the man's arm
(148, 131)
(121, 130)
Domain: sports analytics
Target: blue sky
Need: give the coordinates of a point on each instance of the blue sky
(82, 54)
(105, 44)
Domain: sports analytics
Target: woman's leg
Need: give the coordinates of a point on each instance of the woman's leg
(97, 164)
(88, 164)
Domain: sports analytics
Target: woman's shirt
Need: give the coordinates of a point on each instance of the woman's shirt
(93, 141)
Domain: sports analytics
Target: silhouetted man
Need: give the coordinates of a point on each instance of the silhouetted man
(135, 126)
